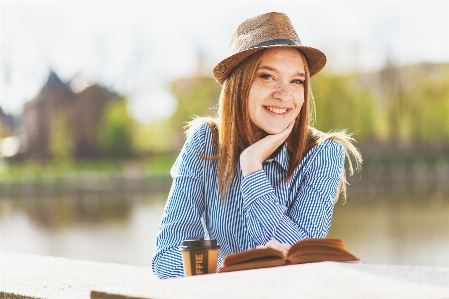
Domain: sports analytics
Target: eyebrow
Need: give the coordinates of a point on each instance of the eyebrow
(300, 74)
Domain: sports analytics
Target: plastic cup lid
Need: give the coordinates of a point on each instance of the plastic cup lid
(199, 244)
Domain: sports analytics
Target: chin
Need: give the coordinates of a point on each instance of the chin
(275, 130)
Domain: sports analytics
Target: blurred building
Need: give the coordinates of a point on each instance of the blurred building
(74, 108)
(10, 142)
(7, 124)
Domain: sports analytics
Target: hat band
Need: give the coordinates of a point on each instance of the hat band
(277, 42)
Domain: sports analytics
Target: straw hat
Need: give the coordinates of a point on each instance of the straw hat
(272, 29)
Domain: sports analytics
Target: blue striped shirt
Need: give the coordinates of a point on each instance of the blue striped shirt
(256, 209)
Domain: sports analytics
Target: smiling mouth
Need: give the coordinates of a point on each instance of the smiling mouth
(276, 110)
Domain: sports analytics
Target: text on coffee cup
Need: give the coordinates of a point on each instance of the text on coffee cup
(198, 264)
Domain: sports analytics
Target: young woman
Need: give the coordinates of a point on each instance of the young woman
(256, 175)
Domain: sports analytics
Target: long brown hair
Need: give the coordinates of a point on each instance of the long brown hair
(232, 131)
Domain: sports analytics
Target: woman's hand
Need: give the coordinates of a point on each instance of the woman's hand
(252, 157)
(282, 247)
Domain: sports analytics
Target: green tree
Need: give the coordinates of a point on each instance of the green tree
(2, 131)
(197, 96)
(115, 129)
(61, 137)
(341, 105)
(428, 116)
(155, 137)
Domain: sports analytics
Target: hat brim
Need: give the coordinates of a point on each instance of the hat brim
(316, 60)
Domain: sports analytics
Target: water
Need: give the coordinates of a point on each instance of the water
(111, 228)
(91, 227)
(394, 230)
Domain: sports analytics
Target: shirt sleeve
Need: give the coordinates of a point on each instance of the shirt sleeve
(181, 218)
(311, 211)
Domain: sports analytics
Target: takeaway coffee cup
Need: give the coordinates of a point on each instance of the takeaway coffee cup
(199, 256)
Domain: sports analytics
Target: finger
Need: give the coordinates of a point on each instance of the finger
(277, 246)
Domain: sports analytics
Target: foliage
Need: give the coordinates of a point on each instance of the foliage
(428, 114)
(153, 138)
(341, 106)
(397, 104)
(61, 141)
(2, 131)
(115, 129)
(197, 96)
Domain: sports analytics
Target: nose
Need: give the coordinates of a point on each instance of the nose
(281, 92)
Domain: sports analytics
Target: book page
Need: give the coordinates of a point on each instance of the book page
(251, 255)
(254, 264)
(323, 243)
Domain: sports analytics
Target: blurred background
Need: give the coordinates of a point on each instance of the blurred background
(94, 96)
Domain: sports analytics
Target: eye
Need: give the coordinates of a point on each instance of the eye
(298, 81)
(266, 76)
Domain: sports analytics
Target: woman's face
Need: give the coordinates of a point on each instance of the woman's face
(277, 92)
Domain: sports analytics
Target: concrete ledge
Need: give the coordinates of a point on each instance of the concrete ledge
(25, 276)
(30, 276)
(317, 280)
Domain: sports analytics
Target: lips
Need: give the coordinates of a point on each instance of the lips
(276, 110)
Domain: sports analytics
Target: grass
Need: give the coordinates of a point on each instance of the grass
(17, 171)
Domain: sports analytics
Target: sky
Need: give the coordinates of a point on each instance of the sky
(137, 48)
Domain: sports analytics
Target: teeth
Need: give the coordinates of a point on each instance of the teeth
(277, 110)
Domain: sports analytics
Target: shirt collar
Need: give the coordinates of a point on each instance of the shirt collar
(281, 157)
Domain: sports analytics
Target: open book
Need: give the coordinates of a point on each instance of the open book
(305, 251)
